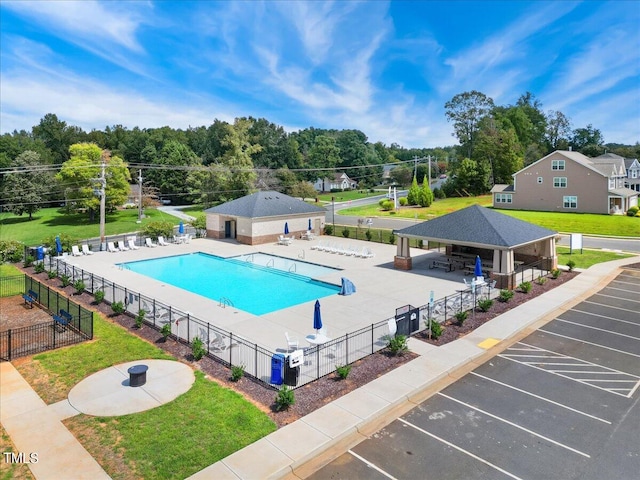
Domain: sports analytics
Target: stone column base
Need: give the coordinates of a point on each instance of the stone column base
(402, 263)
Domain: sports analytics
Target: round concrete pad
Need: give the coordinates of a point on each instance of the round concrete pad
(107, 392)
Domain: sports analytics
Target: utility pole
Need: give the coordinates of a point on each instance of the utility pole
(139, 196)
(415, 166)
(103, 184)
(429, 160)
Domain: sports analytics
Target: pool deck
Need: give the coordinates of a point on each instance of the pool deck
(380, 288)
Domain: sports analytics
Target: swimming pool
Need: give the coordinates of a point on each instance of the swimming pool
(250, 287)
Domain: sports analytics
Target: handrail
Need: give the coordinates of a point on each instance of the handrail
(292, 268)
(249, 258)
(224, 302)
(270, 262)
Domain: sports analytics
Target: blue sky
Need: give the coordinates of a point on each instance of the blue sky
(386, 68)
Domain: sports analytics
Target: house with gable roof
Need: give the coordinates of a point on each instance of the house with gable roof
(261, 218)
(339, 181)
(566, 181)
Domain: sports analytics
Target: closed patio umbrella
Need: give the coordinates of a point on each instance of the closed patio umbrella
(309, 225)
(317, 319)
(286, 228)
(58, 245)
(478, 268)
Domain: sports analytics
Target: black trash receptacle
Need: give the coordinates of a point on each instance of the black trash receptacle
(277, 367)
(291, 375)
(137, 375)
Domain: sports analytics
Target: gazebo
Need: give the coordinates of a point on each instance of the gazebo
(500, 240)
(261, 217)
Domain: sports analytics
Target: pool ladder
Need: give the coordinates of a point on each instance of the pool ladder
(292, 268)
(224, 302)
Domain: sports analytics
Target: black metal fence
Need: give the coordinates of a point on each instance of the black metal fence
(29, 340)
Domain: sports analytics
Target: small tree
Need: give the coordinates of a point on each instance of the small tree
(197, 349)
(413, 197)
(140, 318)
(426, 195)
(285, 398)
(398, 345)
(98, 296)
(165, 331)
(79, 286)
(345, 232)
(571, 264)
(118, 308)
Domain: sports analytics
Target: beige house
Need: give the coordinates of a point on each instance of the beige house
(566, 181)
(262, 217)
(339, 181)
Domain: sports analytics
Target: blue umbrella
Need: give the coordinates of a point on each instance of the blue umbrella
(58, 245)
(181, 228)
(286, 228)
(478, 268)
(309, 225)
(317, 319)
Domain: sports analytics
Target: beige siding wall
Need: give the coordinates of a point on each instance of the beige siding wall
(590, 187)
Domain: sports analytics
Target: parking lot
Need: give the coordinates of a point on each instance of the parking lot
(562, 403)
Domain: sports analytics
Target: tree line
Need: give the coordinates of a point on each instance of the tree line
(57, 162)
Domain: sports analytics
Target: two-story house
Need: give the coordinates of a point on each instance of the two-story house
(633, 174)
(339, 181)
(566, 181)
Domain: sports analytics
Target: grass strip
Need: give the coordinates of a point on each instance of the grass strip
(588, 257)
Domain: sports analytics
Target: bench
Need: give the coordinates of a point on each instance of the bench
(447, 266)
(30, 297)
(63, 320)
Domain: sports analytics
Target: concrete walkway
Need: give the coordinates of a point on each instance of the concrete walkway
(35, 427)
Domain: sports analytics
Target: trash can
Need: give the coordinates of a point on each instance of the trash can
(137, 375)
(40, 253)
(291, 375)
(277, 368)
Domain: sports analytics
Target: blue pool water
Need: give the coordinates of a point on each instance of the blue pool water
(253, 288)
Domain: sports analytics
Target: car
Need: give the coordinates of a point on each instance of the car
(443, 176)
(166, 201)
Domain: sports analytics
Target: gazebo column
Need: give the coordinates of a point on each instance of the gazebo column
(549, 253)
(402, 260)
(503, 271)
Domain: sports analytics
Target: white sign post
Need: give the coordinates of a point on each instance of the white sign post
(575, 242)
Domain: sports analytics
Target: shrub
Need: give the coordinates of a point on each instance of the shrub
(420, 244)
(165, 331)
(505, 295)
(343, 371)
(140, 318)
(485, 305)
(541, 280)
(197, 349)
(52, 274)
(118, 308)
(11, 251)
(381, 202)
(368, 234)
(387, 205)
(525, 287)
(403, 201)
(436, 328)
(79, 286)
(98, 296)
(285, 398)
(398, 345)
(328, 229)
(633, 211)
(461, 316)
(66, 280)
(345, 232)
(555, 273)
(155, 229)
(28, 261)
(237, 372)
(571, 264)
(39, 268)
(392, 238)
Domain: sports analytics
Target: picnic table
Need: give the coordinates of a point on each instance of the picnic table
(443, 264)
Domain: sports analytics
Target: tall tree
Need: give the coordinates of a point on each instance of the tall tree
(57, 136)
(466, 110)
(25, 190)
(79, 176)
(588, 141)
(170, 169)
(426, 195)
(499, 148)
(324, 155)
(558, 131)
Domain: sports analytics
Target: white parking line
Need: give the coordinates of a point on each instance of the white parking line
(609, 306)
(617, 298)
(589, 343)
(368, 463)
(460, 449)
(622, 289)
(515, 425)
(604, 316)
(596, 328)
(542, 398)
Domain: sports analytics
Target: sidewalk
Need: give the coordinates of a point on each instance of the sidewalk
(301, 448)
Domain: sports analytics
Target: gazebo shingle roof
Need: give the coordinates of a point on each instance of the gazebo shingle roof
(478, 225)
(265, 204)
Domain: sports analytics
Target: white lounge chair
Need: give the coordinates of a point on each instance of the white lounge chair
(75, 251)
(121, 246)
(149, 243)
(85, 249)
(187, 238)
(292, 343)
(161, 241)
(132, 244)
(282, 240)
(111, 247)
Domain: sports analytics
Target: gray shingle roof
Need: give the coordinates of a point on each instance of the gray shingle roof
(478, 225)
(265, 204)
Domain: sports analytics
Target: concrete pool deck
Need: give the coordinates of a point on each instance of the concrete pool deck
(380, 288)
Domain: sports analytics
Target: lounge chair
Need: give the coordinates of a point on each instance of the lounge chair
(187, 238)
(161, 241)
(75, 251)
(292, 343)
(132, 244)
(111, 247)
(85, 249)
(282, 240)
(149, 243)
(121, 246)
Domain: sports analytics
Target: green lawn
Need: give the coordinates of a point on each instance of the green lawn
(52, 221)
(175, 440)
(8, 270)
(591, 224)
(587, 257)
(348, 195)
